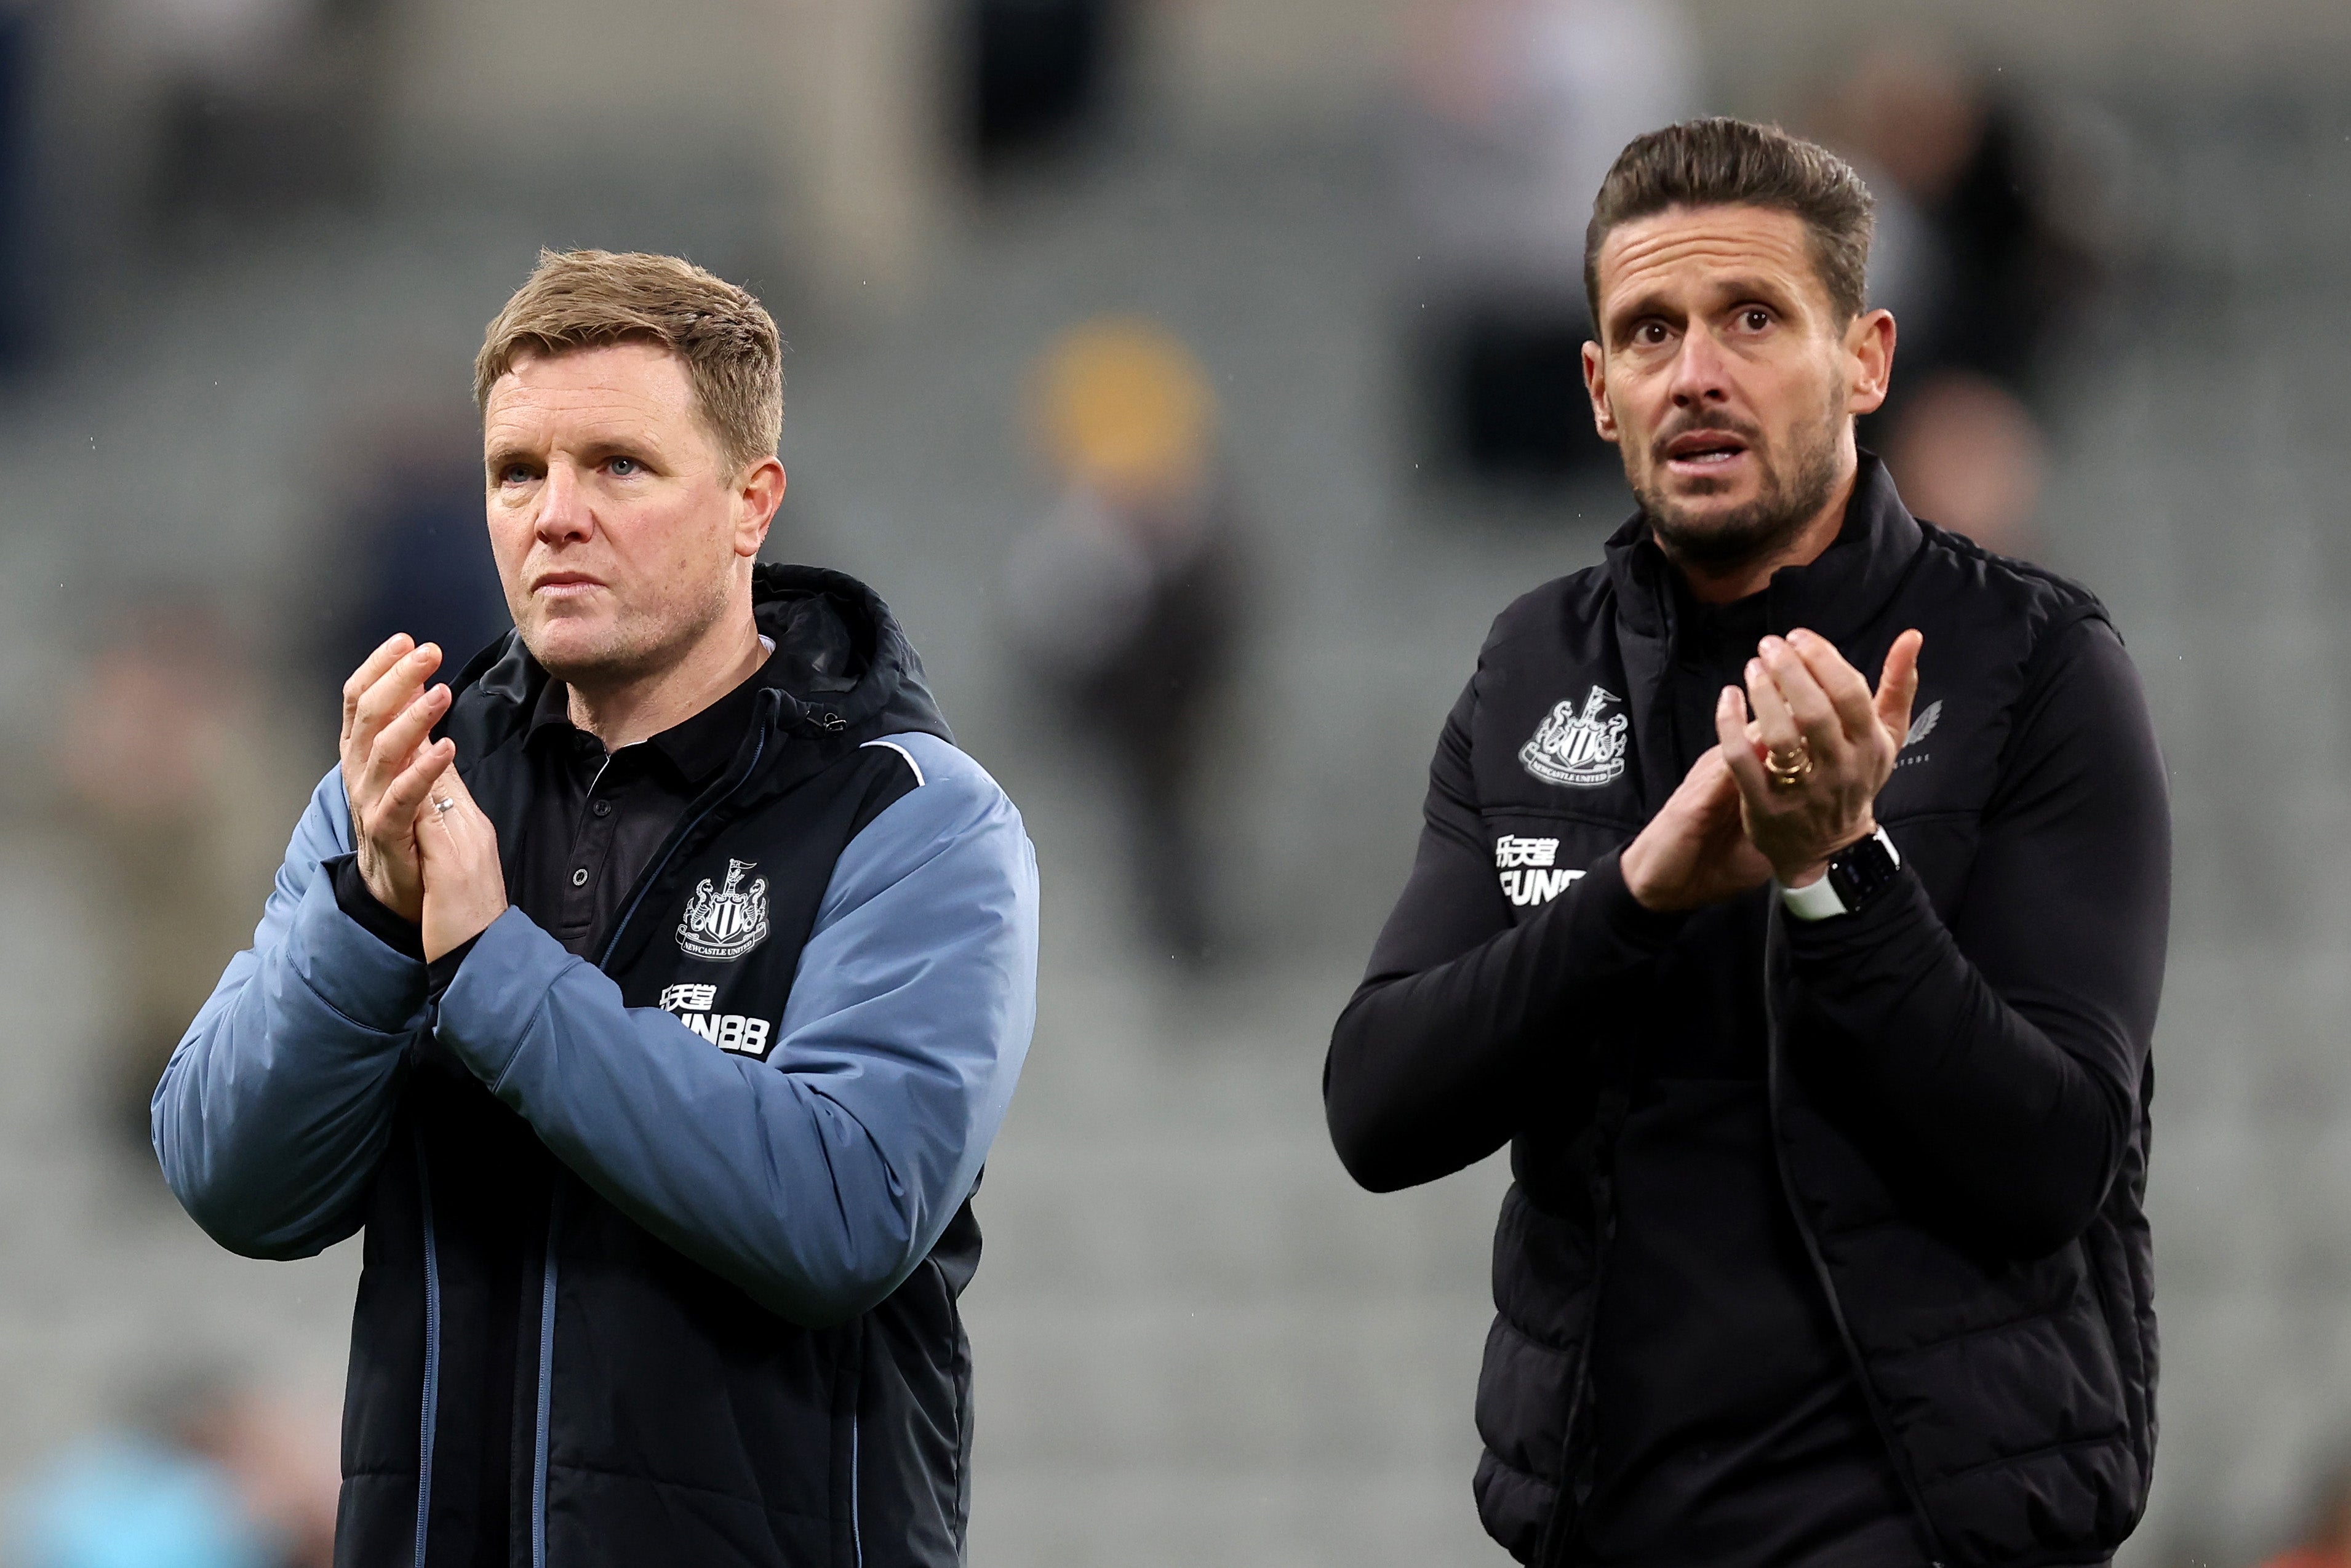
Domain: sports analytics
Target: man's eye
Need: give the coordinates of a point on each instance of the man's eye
(624, 466)
(1649, 333)
(514, 473)
(1755, 318)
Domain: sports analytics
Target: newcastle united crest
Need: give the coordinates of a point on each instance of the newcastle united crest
(728, 923)
(1582, 750)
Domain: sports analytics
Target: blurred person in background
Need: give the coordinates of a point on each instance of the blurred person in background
(1129, 596)
(217, 1473)
(653, 1019)
(2325, 1538)
(1817, 1019)
(410, 555)
(21, 203)
(267, 105)
(1982, 262)
(1512, 112)
(1035, 73)
(175, 780)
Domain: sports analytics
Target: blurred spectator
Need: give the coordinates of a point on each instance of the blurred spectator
(268, 103)
(1978, 260)
(1980, 264)
(1127, 597)
(1034, 72)
(2326, 1537)
(216, 1475)
(20, 202)
(413, 554)
(1514, 109)
(172, 778)
(1967, 455)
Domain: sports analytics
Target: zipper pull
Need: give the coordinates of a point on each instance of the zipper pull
(832, 722)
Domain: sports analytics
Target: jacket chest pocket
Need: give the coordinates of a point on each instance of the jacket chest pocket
(1538, 858)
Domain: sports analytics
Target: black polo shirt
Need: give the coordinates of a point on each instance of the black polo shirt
(597, 816)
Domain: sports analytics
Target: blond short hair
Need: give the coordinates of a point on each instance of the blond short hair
(593, 299)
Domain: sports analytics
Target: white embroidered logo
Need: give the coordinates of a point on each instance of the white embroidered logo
(1583, 749)
(1510, 851)
(1920, 729)
(728, 923)
(1527, 870)
(728, 1031)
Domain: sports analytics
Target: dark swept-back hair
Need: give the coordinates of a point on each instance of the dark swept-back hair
(1721, 162)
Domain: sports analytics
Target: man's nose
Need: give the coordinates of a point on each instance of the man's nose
(1701, 371)
(563, 509)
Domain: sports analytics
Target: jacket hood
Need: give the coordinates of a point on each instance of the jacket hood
(841, 666)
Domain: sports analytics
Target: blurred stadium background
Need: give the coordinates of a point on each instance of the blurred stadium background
(246, 248)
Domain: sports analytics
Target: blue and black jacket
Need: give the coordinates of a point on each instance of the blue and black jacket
(730, 1313)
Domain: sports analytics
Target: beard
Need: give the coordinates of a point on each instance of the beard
(1791, 495)
(637, 643)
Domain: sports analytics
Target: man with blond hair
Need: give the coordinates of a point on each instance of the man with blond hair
(649, 993)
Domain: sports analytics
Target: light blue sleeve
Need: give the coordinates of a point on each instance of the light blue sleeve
(274, 1108)
(819, 1178)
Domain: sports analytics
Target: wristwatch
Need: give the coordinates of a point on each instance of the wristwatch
(1855, 874)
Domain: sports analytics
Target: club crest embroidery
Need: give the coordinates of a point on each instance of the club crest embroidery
(1580, 749)
(728, 923)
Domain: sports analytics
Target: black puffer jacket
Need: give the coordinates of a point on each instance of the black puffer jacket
(1959, 1075)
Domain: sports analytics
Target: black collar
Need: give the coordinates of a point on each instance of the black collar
(1835, 594)
(698, 746)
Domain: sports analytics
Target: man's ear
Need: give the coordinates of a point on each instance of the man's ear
(1869, 352)
(1596, 383)
(757, 496)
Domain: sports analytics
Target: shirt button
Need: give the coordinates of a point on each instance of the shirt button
(604, 808)
(579, 877)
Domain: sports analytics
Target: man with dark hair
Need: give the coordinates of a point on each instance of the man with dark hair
(650, 994)
(1815, 1017)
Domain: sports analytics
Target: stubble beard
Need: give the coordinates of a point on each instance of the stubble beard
(1719, 542)
(639, 647)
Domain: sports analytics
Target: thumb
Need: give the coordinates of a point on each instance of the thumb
(1898, 686)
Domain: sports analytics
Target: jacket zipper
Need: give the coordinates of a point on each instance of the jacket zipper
(555, 1194)
(1557, 1529)
(1552, 1544)
(546, 1378)
(432, 1398)
(1877, 1416)
(856, 1526)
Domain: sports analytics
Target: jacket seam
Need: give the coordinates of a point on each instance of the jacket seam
(329, 1003)
(2119, 1436)
(1554, 814)
(1539, 1340)
(2039, 1315)
(1500, 1463)
(583, 1468)
(522, 1038)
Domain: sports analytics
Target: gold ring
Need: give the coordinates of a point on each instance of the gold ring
(1787, 772)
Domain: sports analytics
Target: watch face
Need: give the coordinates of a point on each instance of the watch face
(1861, 870)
